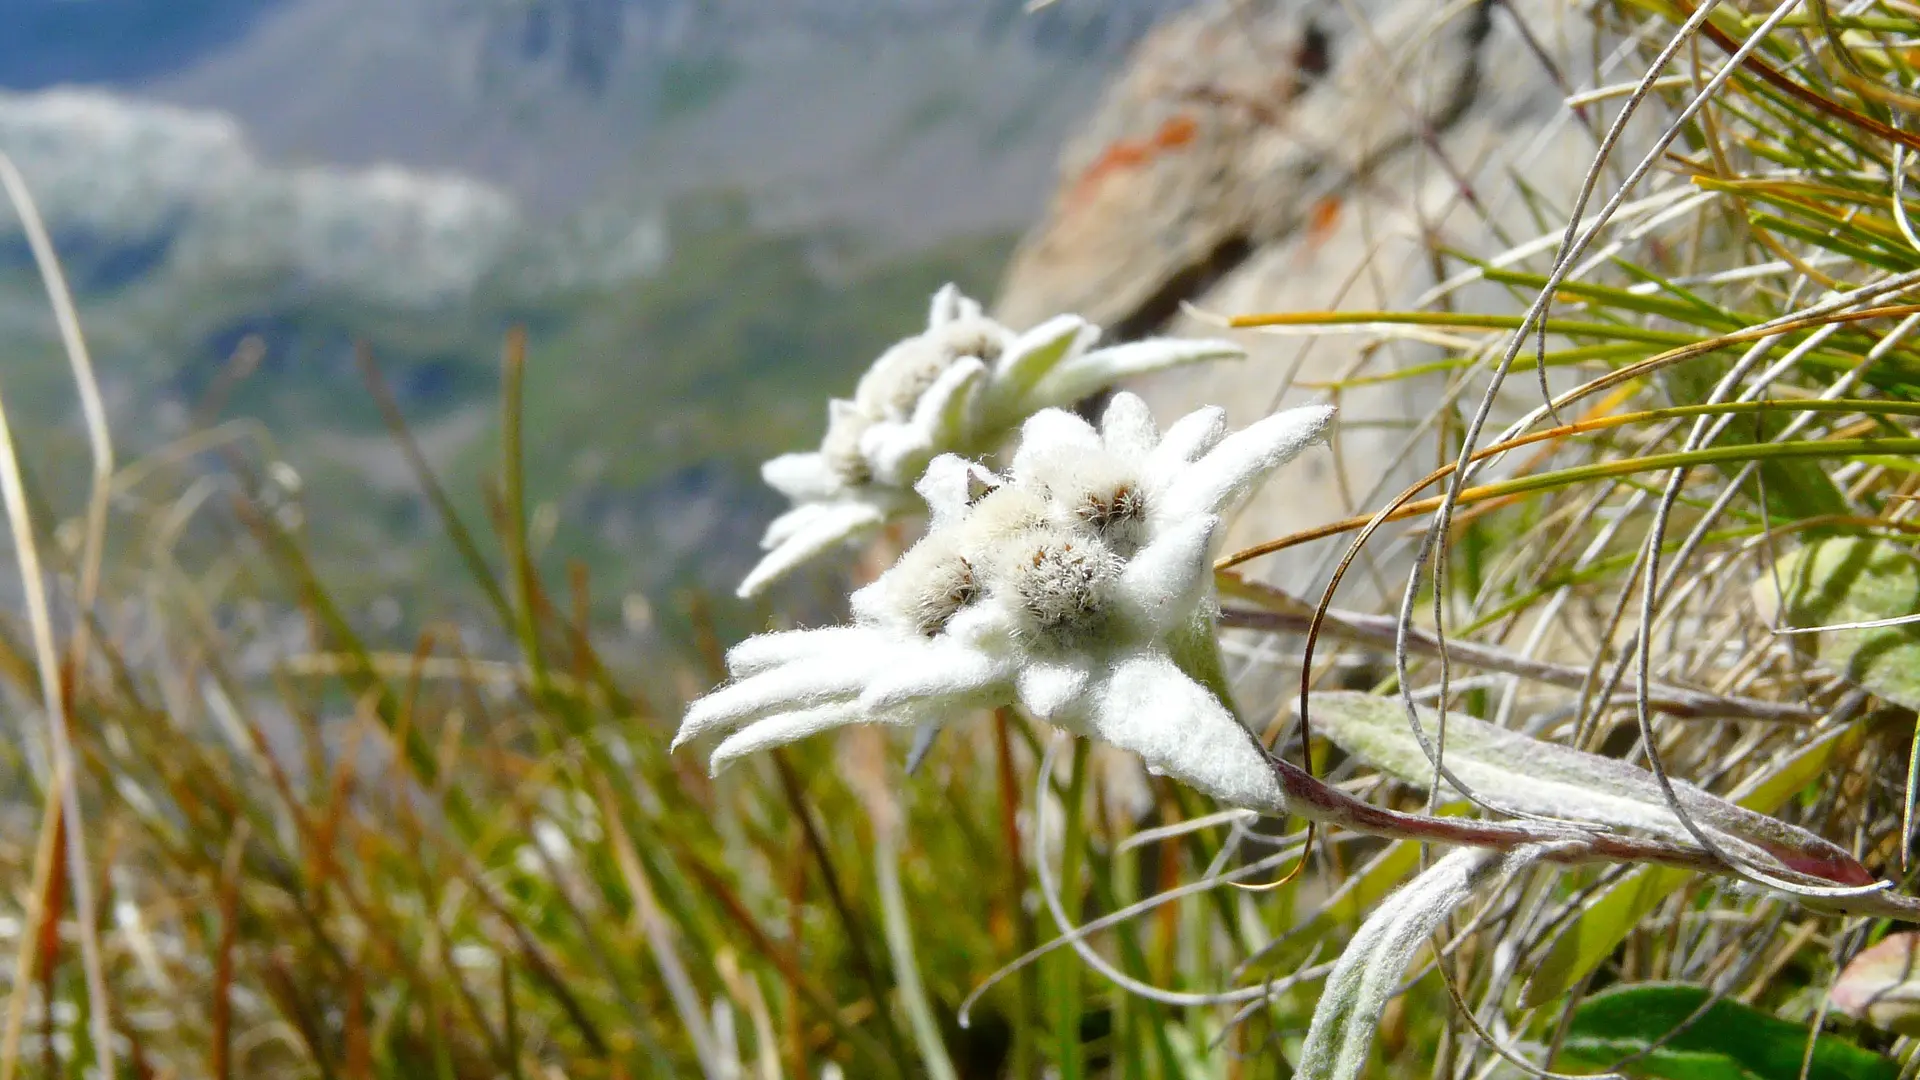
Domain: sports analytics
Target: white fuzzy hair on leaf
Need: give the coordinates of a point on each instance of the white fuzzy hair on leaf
(1078, 586)
(1370, 970)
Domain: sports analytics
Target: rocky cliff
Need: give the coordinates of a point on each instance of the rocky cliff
(1304, 155)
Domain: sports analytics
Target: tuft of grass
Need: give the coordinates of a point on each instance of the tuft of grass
(1673, 402)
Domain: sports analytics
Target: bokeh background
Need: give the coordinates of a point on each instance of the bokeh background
(708, 216)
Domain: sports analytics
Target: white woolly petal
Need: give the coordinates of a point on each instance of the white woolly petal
(950, 485)
(1035, 352)
(842, 411)
(989, 623)
(936, 678)
(965, 307)
(1219, 481)
(791, 522)
(802, 477)
(1056, 693)
(1127, 427)
(781, 729)
(1003, 514)
(1150, 707)
(894, 450)
(945, 307)
(1046, 431)
(943, 414)
(869, 602)
(945, 485)
(897, 452)
(882, 438)
(1164, 583)
(783, 689)
(1186, 441)
(840, 445)
(762, 652)
(1080, 376)
(834, 524)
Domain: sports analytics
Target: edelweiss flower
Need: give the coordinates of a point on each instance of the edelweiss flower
(1079, 586)
(958, 387)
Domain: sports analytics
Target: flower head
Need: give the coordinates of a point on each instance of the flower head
(960, 386)
(1078, 585)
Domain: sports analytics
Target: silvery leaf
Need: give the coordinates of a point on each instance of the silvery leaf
(1376, 959)
(1532, 776)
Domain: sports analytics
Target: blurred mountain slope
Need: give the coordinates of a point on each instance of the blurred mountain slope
(922, 117)
(710, 216)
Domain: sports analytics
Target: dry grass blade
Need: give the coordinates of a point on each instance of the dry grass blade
(221, 1007)
(48, 851)
(92, 408)
(65, 778)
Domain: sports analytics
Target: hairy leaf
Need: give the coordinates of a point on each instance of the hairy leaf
(1520, 772)
(1851, 579)
(1032, 355)
(1371, 968)
(1612, 914)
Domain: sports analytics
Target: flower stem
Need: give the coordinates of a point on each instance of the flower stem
(1066, 990)
(1027, 986)
(1196, 651)
(856, 937)
(906, 973)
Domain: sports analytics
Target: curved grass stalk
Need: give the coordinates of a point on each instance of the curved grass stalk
(1537, 320)
(226, 433)
(1516, 488)
(1601, 568)
(1684, 346)
(1076, 935)
(1067, 979)
(1403, 508)
(93, 408)
(1380, 629)
(65, 777)
(1798, 92)
(1573, 357)
(1654, 587)
(1307, 796)
(513, 499)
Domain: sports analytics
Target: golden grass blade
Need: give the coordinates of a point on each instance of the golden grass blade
(25, 955)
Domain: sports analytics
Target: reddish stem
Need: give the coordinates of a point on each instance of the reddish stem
(1310, 798)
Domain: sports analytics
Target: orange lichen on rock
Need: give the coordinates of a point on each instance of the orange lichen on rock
(1174, 133)
(1322, 219)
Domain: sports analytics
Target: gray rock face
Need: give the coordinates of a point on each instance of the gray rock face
(1308, 156)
